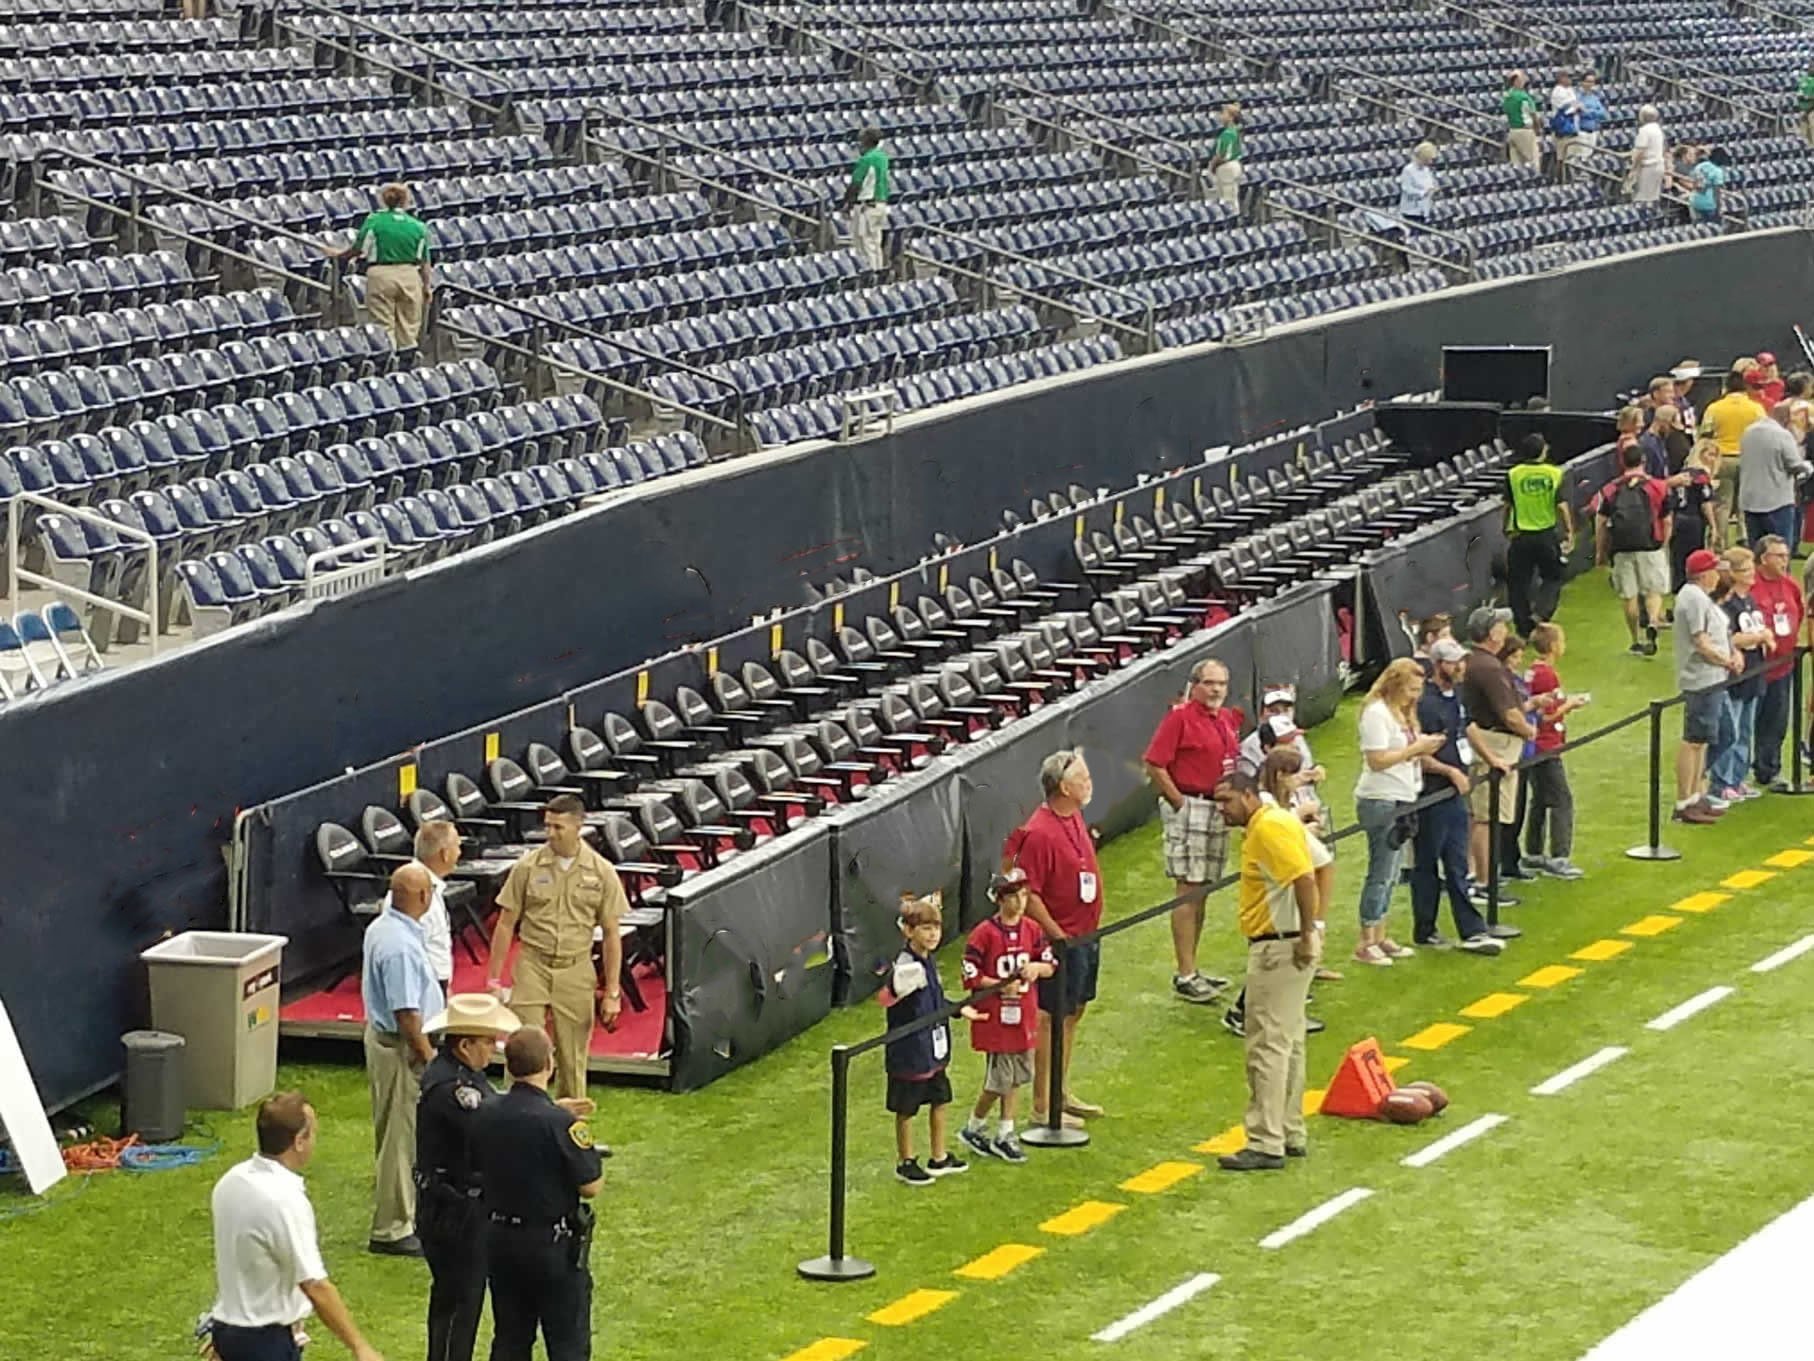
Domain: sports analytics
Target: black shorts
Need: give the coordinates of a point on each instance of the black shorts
(1065, 993)
(1701, 716)
(907, 1094)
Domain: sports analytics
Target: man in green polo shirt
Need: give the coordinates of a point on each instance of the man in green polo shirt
(1804, 104)
(1226, 167)
(866, 196)
(1540, 529)
(398, 281)
(1522, 115)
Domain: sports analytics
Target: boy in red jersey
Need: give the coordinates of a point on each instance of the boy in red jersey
(1009, 945)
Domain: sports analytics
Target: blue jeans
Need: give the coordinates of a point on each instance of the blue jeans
(1730, 758)
(1383, 861)
(1783, 522)
(1441, 866)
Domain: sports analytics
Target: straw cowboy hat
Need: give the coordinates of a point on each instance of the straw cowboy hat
(474, 1013)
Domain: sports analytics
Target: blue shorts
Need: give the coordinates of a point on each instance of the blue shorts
(1066, 992)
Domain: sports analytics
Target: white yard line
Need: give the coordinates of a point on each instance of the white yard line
(1469, 1132)
(1784, 955)
(1322, 1214)
(1752, 1303)
(1696, 1004)
(1569, 1076)
(1146, 1313)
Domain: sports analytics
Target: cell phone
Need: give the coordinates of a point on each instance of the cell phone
(1585, 697)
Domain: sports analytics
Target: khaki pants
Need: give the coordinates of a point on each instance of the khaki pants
(395, 1088)
(867, 223)
(395, 299)
(1277, 988)
(1521, 147)
(1565, 148)
(1581, 147)
(1804, 124)
(1646, 183)
(1731, 523)
(569, 987)
(1228, 183)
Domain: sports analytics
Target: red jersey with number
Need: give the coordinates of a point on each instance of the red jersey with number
(1060, 862)
(994, 952)
(1551, 732)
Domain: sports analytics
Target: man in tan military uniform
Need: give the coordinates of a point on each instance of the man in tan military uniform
(554, 898)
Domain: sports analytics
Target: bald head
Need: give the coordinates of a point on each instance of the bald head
(411, 889)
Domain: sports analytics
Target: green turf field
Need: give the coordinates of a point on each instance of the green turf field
(1533, 1242)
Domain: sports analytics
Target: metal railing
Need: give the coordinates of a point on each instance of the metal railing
(345, 568)
(19, 574)
(1563, 50)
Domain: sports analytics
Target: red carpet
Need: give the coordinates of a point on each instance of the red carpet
(638, 1033)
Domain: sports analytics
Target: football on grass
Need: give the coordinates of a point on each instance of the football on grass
(1406, 1106)
(1439, 1099)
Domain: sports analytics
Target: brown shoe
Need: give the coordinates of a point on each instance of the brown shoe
(1698, 813)
(1076, 1105)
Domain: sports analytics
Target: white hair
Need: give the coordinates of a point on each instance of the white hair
(1055, 767)
(1648, 114)
(435, 836)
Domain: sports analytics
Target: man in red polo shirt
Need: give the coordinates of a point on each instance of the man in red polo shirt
(1197, 743)
(1055, 851)
(1778, 596)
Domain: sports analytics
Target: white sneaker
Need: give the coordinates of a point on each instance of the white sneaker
(1481, 945)
(1372, 954)
(1558, 868)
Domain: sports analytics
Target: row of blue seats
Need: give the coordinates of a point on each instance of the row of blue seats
(896, 122)
(1149, 222)
(205, 65)
(537, 22)
(1031, 203)
(113, 337)
(581, 50)
(1578, 251)
(60, 111)
(392, 7)
(553, 82)
(911, 17)
(512, 274)
(43, 240)
(587, 189)
(781, 98)
(43, 11)
(1182, 293)
(1201, 327)
(96, 282)
(1010, 178)
(1279, 244)
(230, 434)
(83, 37)
(1216, 85)
(132, 143)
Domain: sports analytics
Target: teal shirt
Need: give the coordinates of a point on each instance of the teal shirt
(1709, 179)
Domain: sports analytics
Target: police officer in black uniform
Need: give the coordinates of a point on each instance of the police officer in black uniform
(537, 1166)
(450, 1220)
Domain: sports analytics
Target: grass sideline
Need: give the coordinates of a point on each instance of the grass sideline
(1615, 1191)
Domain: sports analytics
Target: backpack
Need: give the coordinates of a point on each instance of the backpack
(1565, 122)
(1630, 520)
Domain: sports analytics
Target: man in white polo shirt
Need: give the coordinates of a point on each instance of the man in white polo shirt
(267, 1264)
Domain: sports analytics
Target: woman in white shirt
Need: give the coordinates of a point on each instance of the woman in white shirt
(1417, 184)
(1391, 779)
(1648, 157)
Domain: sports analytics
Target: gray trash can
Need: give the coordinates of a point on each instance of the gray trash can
(153, 1105)
(218, 990)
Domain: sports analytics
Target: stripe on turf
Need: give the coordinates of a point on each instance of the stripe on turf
(1435, 1036)
(1494, 1004)
(1572, 1074)
(1651, 926)
(1601, 950)
(1700, 902)
(1146, 1313)
(1161, 1177)
(1082, 1218)
(1784, 955)
(998, 1262)
(1790, 860)
(1313, 1219)
(1696, 1004)
(1549, 976)
(913, 1305)
(827, 1349)
(1231, 1140)
(1469, 1132)
(1748, 879)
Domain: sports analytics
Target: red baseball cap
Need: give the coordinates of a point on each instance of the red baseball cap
(1756, 378)
(1702, 560)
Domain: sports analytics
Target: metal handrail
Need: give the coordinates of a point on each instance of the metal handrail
(1566, 50)
(19, 574)
(1642, 59)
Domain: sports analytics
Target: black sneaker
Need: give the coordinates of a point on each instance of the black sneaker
(1235, 1023)
(1196, 988)
(407, 1246)
(1007, 1148)
(1650, 647)
(1297, 1150)
(1637, 650)
(1251, 1160)
(912, 1173)
(1434, 941)
(1312, 1026)
(947, 1166)
(977, 1142)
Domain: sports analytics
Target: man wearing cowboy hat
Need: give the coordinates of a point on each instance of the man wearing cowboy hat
(450, 1219)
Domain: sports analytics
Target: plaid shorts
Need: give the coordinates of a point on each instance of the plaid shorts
(1195, 840)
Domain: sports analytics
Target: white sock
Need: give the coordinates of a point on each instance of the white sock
(976, 1124)
(1682, 803)
(1005, 1130)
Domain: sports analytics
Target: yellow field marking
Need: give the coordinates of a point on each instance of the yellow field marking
(1082, 1218)
(914, 1304)
(1790, 860)
(1494, 1004)
(998, 1262)
(1313, 1099)
(1161, 1178)
(1549, 976)
(1748, 879)
(1394, 1062)
(1436, 1036)
(1651, 926)
(1231, 1140)
(827, 1349)
(1602, 950)
(1703, 902)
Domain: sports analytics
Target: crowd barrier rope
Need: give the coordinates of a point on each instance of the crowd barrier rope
(837, 1264)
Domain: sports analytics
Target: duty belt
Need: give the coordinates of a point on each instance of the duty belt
(1274, 935)
(554, 961)
(557, 1226)
(438, 1181)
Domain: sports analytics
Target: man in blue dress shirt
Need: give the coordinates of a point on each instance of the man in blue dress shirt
(398, 986)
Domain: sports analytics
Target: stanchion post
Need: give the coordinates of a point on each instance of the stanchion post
(1493, 777)
(1054, 1133)
(834, 1265)
(1798, 731)
(1654, 849)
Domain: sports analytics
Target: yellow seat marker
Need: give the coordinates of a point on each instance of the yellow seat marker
(1651, 926)
(1231, 1140)
(914, 1304)
(1703, 902)
(1161, 1178)
(1494, 1004)
(1082, 1218)
(828, 1349)
(1748, 879)
(1549, 976)
(1790, 860)
(1436, 1036)
(998, 1262)
(1602, 950)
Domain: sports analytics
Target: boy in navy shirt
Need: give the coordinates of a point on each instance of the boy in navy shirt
(1009, 945)
(916, 1063)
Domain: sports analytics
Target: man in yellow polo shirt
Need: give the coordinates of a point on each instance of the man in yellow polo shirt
(398, 279)
(1724, 422)
(1540, 533)
(557, 896)
(1278, 909)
